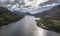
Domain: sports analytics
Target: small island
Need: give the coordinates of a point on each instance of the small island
(7, 16)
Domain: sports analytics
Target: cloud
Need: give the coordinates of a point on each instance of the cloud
(50, 2)
(34, 3)
(26, 3)
(32, 6)
(31, 3)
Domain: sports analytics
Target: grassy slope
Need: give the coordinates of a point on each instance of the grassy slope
(7, 16)
(52, 20)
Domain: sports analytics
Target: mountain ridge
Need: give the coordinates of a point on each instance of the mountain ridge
(47, 12)
(7, 16)
(50, 19)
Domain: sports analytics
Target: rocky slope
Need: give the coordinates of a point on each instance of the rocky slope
(6, 16)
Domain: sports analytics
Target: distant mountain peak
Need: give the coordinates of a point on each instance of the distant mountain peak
(53, 10)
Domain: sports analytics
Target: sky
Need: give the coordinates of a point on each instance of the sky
(23, 3)
(32, 6)
(51, 1)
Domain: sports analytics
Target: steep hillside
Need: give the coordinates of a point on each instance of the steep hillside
(48, 12)
(50, 19)
(6, 16)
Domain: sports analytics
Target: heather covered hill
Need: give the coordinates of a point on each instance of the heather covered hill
(6, 16)
(50, 19)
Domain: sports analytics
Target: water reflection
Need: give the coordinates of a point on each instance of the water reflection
(25, 27)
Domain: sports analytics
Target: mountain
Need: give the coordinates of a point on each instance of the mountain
(22, 13)
(50, 19)
(52, 11)
(6, 16)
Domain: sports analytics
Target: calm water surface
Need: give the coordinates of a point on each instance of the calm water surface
(25, 27)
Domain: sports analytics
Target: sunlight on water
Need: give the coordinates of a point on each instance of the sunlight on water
(25, 27)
